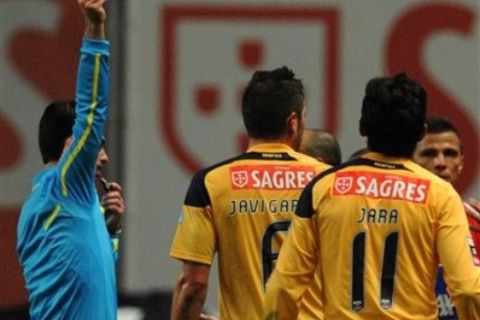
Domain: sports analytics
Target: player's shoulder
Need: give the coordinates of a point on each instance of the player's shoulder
(330, 171)
(307, 160)
(41, 201)
(218, 173)
(302, 157)
(216, 167)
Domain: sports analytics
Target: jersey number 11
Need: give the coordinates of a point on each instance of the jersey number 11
(388, 271)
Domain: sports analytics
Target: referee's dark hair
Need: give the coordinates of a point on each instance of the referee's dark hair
(393, 115)
(268, 101)
(55, 127)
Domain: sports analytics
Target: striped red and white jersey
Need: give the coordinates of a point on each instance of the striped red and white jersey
(473, 216)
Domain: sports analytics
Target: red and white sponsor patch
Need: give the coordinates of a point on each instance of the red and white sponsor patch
(474, 251)
(344, 184)
(271, 177)
(239, 178)
(381, 186)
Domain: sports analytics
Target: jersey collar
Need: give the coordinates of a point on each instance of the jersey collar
(384, 158)
(271, 147)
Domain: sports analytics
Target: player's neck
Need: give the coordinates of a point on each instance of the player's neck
(253, 142)
(51, 164)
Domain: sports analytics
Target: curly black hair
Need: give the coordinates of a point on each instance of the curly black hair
(393, 115)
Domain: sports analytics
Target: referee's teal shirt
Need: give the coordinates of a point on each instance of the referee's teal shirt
(63, 245)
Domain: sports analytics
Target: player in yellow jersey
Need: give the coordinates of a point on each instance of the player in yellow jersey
(324, 147)
(240, 209)
(378, 226)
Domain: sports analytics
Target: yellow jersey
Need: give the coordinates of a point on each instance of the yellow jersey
(377, 228)
(241, 209)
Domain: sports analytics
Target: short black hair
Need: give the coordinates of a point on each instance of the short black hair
(393, 115)
(269, 99)
(55, 127)
(437, 124)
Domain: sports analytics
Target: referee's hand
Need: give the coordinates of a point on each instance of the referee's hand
(95, 16)
(114, 205)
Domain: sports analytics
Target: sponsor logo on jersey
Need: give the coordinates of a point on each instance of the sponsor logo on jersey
(271, 177)
(239, 178)
(381, 186)
(474, 251)
(343, 185)
(446, 309)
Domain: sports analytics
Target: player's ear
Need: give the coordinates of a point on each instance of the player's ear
(292, 125)
(361, 129)
(460, 167)
(67, 143)
(425, 128)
